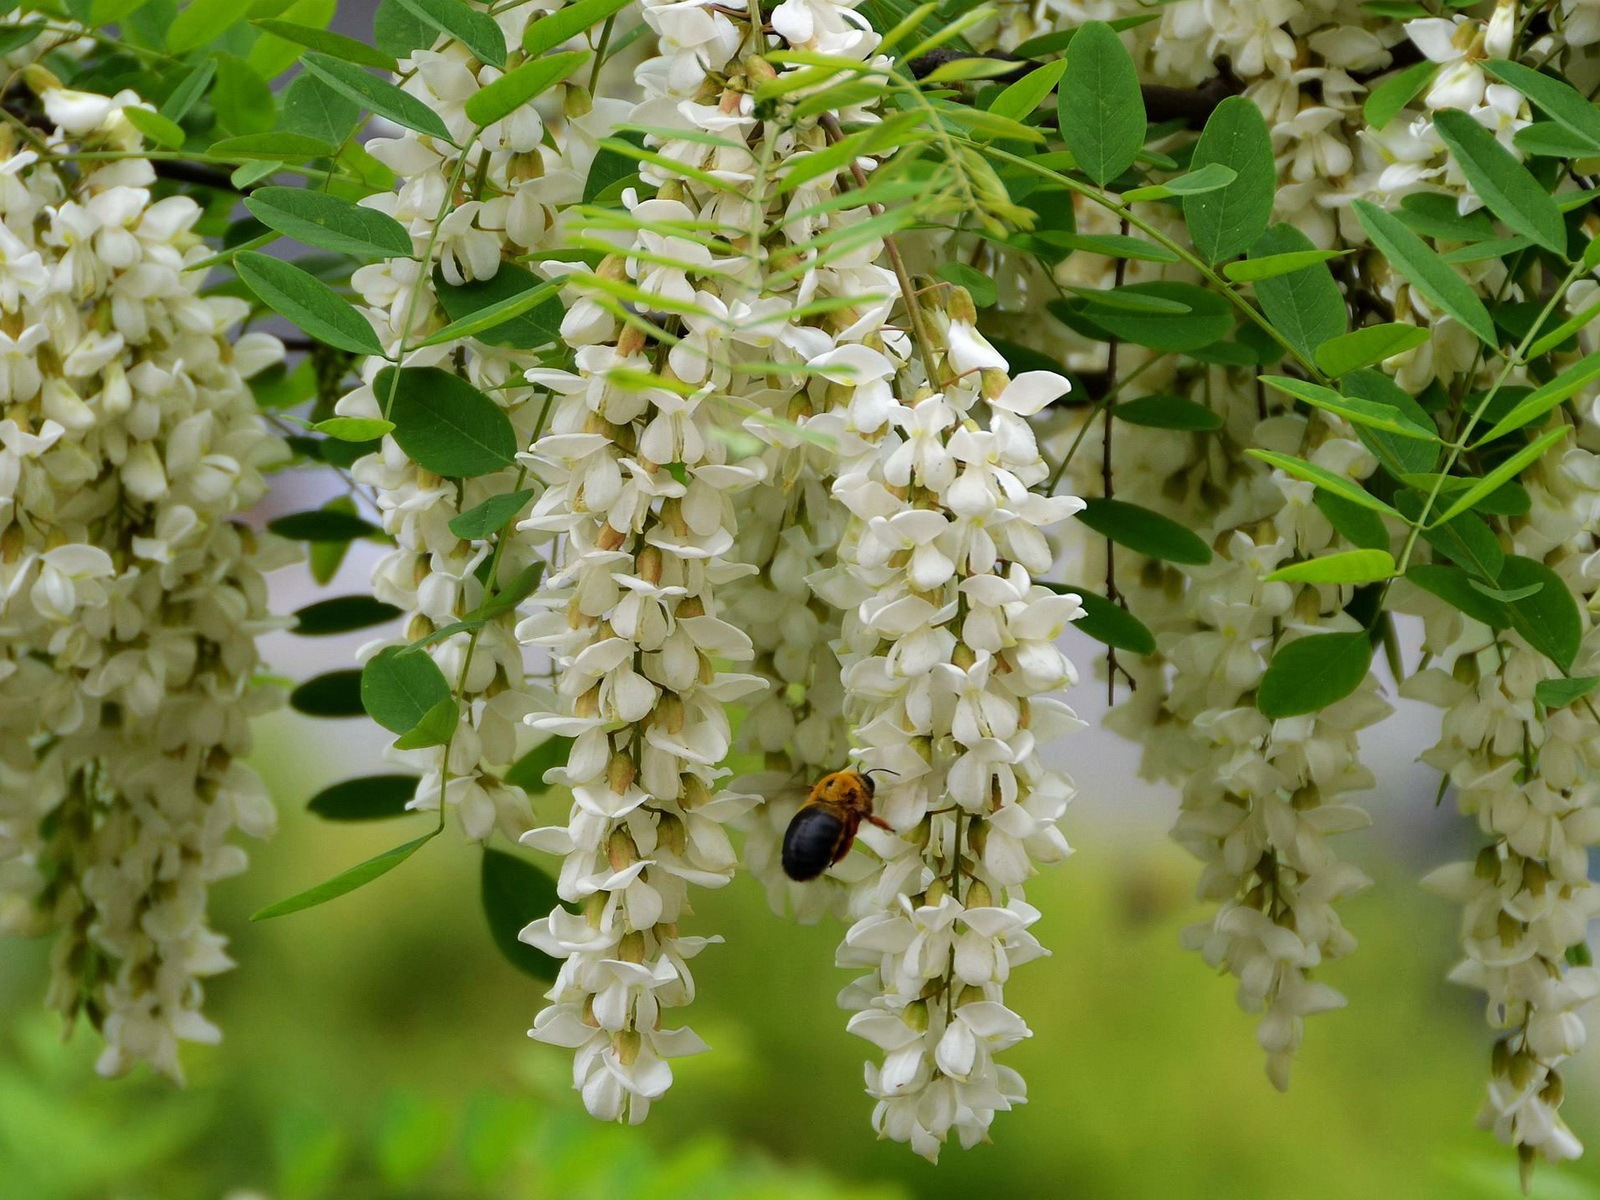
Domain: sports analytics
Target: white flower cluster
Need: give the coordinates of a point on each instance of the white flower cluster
(950, 657)
(641, 497)
(1261, 797)
(468, 211)
(1529, 779)
(129, 598)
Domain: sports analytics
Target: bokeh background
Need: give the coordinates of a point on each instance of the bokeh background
(375, 1047)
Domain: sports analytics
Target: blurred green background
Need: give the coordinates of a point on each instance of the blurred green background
(374, 1048)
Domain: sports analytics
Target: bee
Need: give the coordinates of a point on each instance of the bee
(824, 829)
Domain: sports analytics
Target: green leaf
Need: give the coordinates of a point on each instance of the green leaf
(341, 614)
(528, 771)
(1397, 91)
(1400, 456)
(436, 728)
(1567, 328)
(486, 519)
(242, 101)
(564, 24)
(370, 798)
(1167, 412)
(1503, 595)
(497, 311)
(1020, 99)
(1548, 620)
(398, 690)
(1311, 473)
(1349, 566)
(1126, 299)
(516, 88)
(1145, 532)
(511, 592)
(1107, 623)
(1358, 525)
(1100, 106)
(1366, 346)
(336, 694)
(1410, 255)
(1248, 270)
(515, 892)
(1503, 183)
(1208, 320)
(280, 146)
(1210, 178)
(399, 31)
(1505, 472)
(335, 45)
(306, 301)
(16, 37)
(1558, 693)
(347, 881)
(1227, 222)
(376, 95)
(475, 30)
(1434, 215)
(498, 316)
(1311, 673)
(611, 167)
(444, 424)
(202, 22)
(1546, 397)
(354, 429)
(1112, 245)
(155, 127)
(330, 222)
(979, 286)
(1452, 585)
(1563, 103)
(1355, 410)
(1306, 305)
(1546, 139)
(322, 525)
(187, 93)
(1465, 540)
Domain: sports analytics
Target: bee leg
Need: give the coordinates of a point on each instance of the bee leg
(881, 824)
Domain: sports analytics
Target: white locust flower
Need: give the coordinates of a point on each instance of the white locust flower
(130, 596)
(1529, 784)
(950, 660)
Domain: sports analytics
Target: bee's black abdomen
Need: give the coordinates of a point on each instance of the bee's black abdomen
(810, 843)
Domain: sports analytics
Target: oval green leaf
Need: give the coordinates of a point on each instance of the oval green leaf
(444, 424)
(1144, 531)
(1410, 255)
(336, 694)
(305, 300)
(514, 893)
(370, 798)
(1310, 673)
(1503, 183)
(342, 614)
(330, 222)
(1099, 104)
(399, 690)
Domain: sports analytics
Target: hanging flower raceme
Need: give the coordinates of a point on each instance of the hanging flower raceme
(950, 658)
(1263, 792)
(129, 596)
(1524, 766)
(494, 195)
(640, 497)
